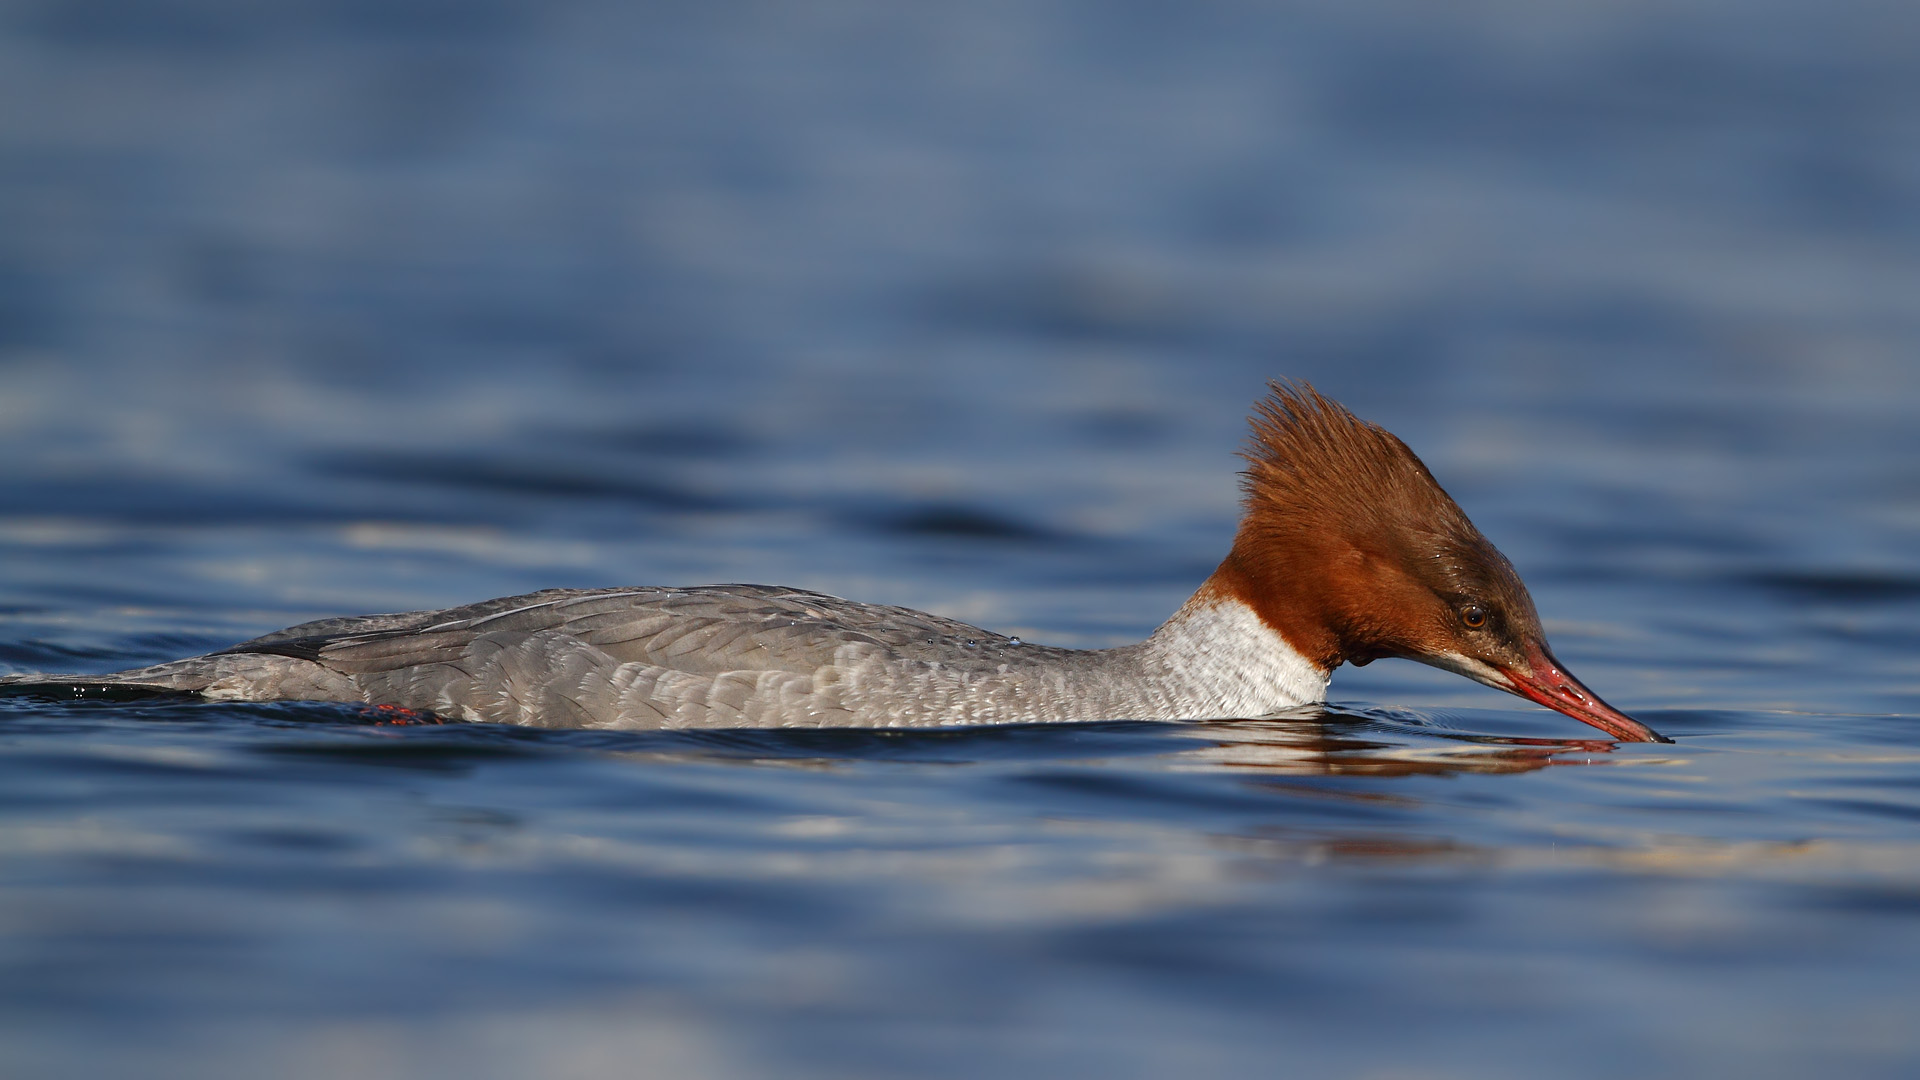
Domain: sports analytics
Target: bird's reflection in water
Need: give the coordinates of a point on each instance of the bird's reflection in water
(1320, 741)
(1296, 755)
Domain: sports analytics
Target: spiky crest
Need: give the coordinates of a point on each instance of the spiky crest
(1349, 547)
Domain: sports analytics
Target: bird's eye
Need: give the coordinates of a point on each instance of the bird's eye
(1474, 616)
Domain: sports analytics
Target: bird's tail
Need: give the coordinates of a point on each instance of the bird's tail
(178, 677)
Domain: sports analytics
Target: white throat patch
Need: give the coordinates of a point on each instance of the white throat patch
(1234, 665)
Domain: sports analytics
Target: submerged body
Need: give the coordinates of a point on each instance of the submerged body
(1349, 551)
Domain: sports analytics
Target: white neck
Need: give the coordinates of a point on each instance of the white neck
(1220, 660)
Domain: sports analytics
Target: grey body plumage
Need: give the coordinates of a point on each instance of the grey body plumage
(707, 656)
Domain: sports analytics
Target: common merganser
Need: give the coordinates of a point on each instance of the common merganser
(1348, 551)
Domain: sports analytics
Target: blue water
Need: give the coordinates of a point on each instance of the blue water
(335, 307)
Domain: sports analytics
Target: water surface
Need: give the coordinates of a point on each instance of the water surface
(322, 308)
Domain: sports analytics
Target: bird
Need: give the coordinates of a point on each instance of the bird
(1347, 551)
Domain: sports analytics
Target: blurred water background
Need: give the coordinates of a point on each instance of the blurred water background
(332, 306)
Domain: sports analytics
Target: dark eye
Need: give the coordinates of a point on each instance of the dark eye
(1474, 616)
